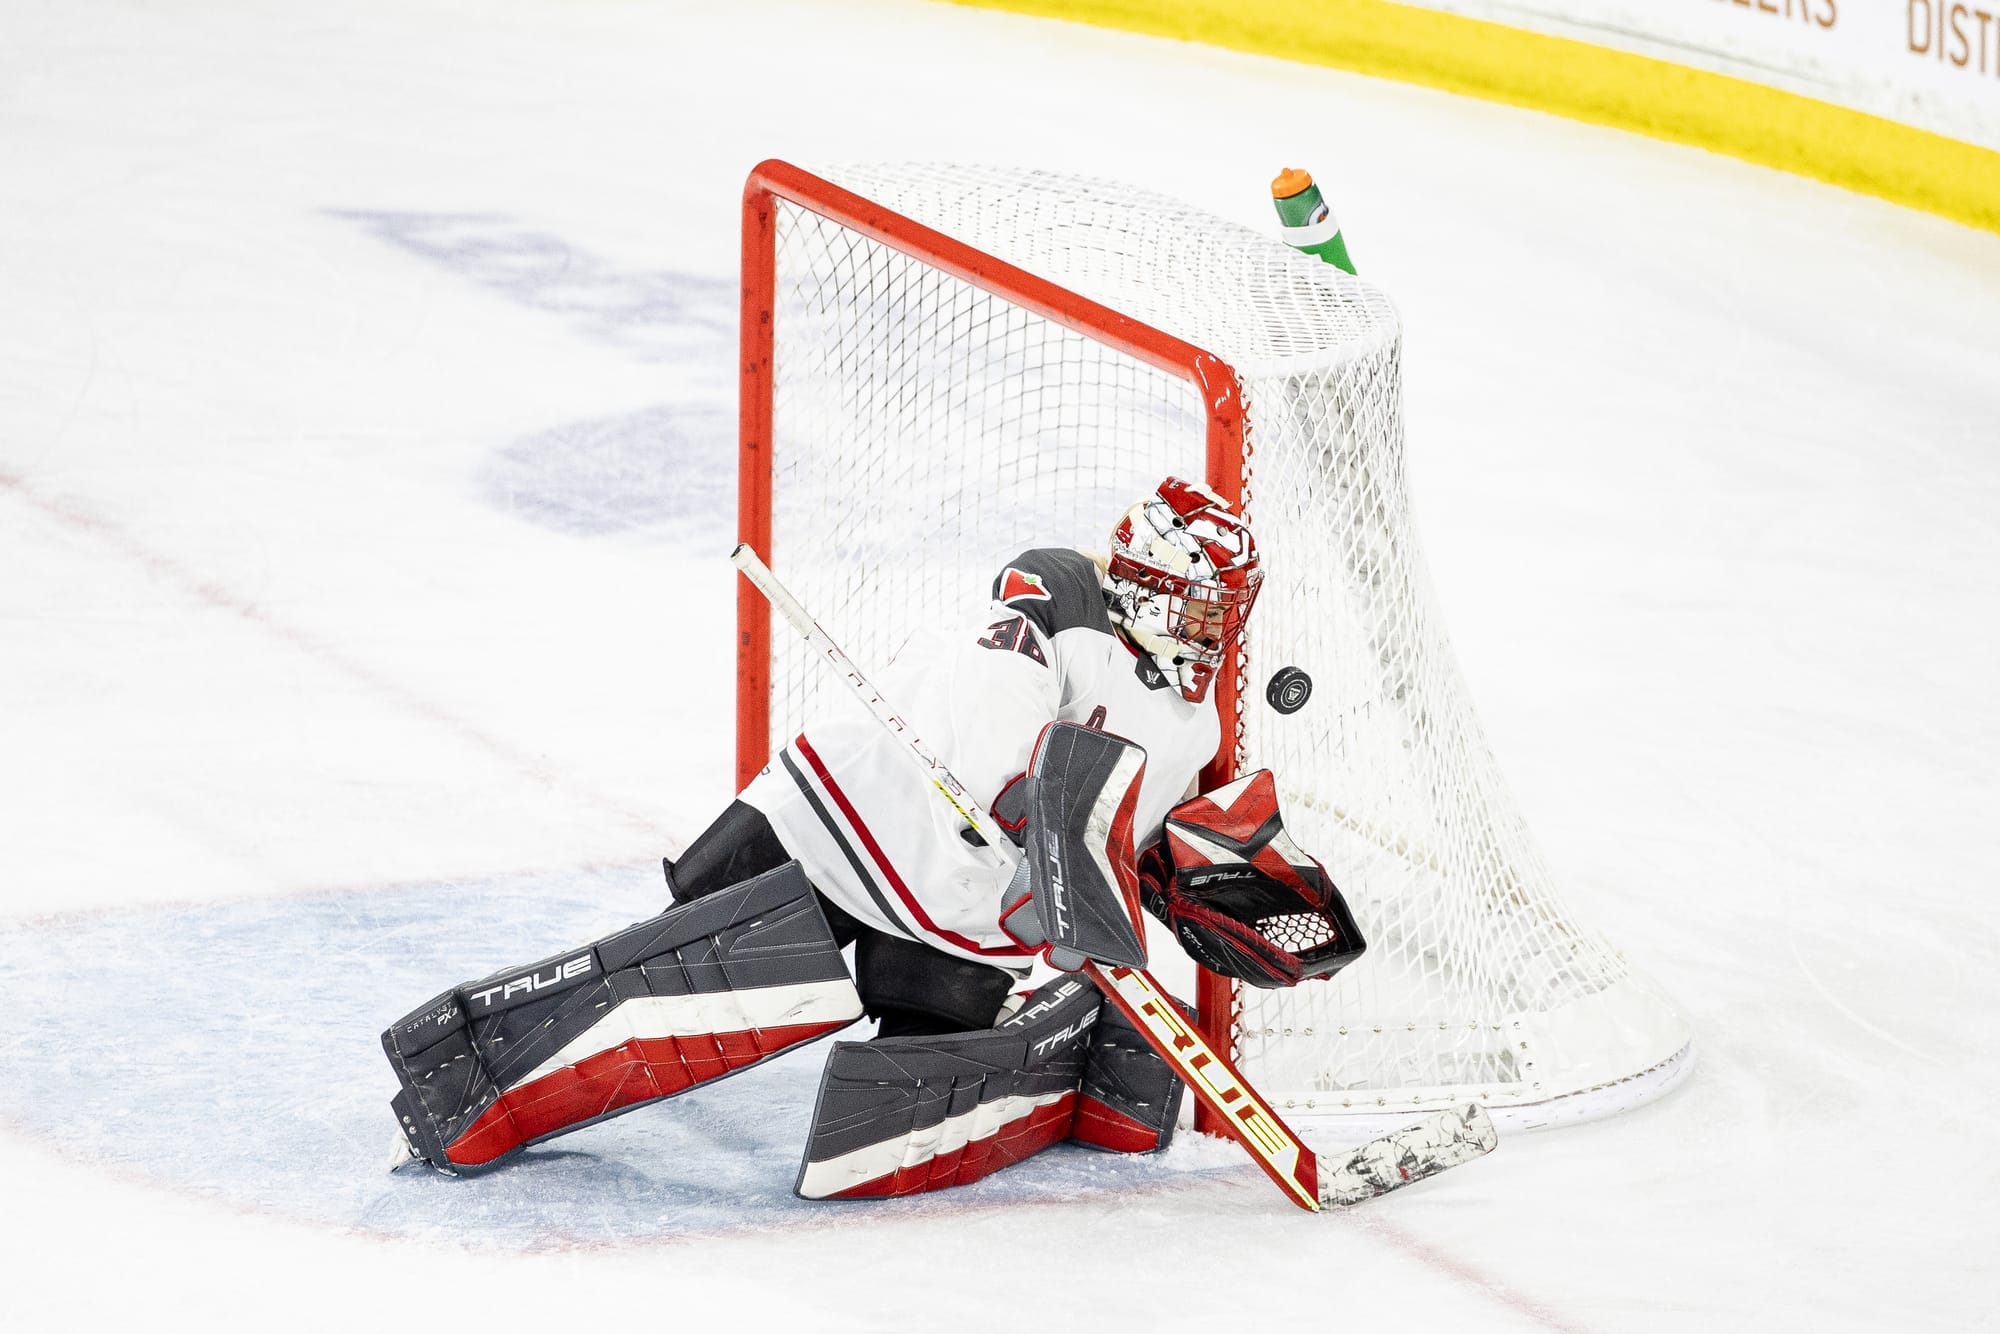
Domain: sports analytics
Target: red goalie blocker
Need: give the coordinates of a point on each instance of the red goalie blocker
(1241, 897)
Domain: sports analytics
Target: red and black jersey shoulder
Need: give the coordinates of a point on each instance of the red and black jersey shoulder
(1055, 587)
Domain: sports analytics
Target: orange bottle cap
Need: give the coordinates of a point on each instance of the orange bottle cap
(1291, 181)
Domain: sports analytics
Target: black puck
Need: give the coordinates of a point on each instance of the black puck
(1289, 690)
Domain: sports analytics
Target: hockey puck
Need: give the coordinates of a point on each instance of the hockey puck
(1289, 690)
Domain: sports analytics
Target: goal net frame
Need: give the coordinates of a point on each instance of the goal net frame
(775, 186)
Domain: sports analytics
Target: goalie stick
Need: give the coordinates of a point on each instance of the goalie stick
(1422, 1149)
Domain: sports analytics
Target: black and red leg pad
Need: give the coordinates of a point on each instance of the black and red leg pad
(901, 1116)
(705, 989)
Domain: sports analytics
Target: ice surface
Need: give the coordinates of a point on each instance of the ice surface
(232, 1051)
(365, 374)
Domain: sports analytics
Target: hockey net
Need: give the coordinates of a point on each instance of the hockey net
(946, 365)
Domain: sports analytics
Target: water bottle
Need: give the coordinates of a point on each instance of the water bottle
(1307, 222)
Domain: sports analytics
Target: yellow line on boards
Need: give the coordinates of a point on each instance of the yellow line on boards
(1746, 120)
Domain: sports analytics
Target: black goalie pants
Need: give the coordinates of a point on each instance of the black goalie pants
(909, 989)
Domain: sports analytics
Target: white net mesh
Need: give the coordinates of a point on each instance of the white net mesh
(925, 430)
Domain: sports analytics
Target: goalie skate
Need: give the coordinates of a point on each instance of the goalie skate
(401, 1152)
(1448, 1139)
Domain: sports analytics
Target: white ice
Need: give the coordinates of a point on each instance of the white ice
(366, 391)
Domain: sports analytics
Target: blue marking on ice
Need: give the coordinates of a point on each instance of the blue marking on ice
(666, 470)
(658, 315)
(234, 1052)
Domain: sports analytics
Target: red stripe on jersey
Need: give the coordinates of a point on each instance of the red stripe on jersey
(881, 860)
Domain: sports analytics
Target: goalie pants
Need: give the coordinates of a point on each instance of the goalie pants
(908, 988)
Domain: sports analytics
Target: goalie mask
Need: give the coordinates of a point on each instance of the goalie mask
(1182, 576)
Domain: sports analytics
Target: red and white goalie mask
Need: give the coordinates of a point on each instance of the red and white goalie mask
(1182, 577)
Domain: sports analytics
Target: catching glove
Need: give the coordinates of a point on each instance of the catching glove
(1241, 898)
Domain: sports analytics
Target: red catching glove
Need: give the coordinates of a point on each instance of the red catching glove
(1241, 897)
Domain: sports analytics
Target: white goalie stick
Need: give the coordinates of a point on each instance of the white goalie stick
(1442, 1140)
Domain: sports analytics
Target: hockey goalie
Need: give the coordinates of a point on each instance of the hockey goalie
(1077, 709)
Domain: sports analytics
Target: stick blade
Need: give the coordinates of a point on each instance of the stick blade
(1422, 1149)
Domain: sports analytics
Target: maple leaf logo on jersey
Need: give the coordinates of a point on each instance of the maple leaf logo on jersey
(1015, 584)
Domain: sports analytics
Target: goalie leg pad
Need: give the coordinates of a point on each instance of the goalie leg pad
(1130, 1097)
(705, 989)
(899, 1116)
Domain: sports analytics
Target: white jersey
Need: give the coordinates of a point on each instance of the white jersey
(865, 822)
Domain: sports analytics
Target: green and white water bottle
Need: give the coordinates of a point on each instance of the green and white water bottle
(1309, 225)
